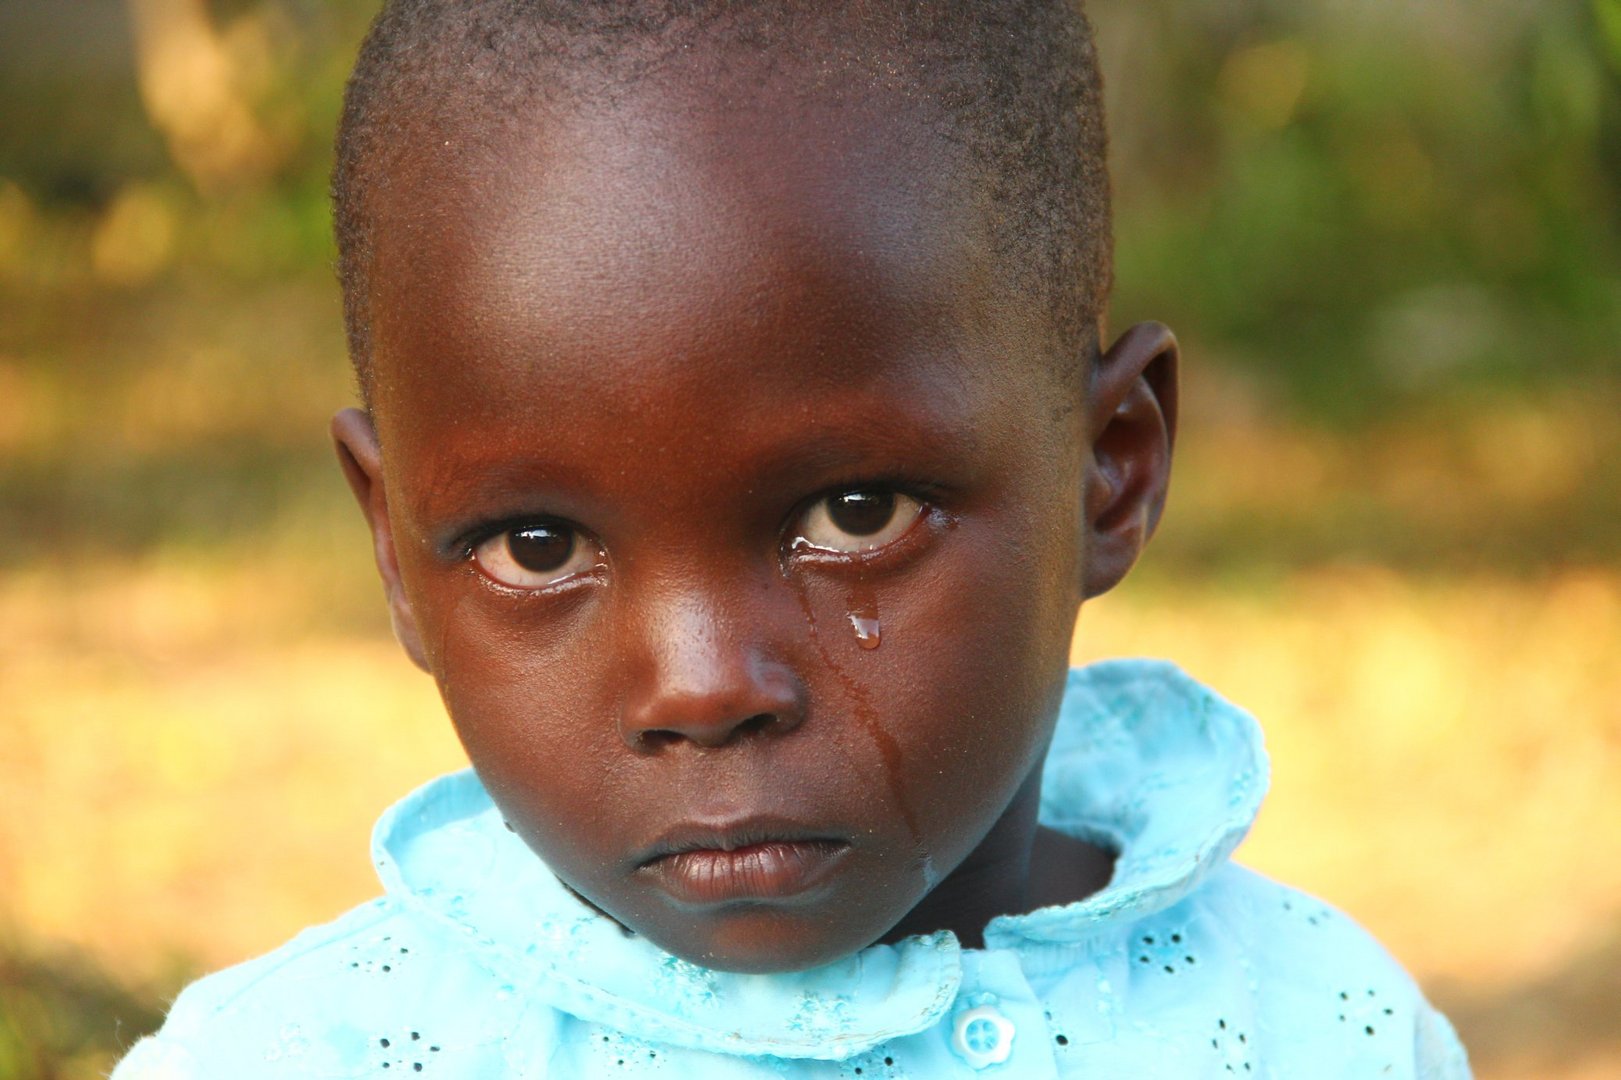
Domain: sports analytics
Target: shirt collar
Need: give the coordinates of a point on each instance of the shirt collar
(1145, 761)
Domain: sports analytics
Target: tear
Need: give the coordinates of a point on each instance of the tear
(863, 605)
(868, 632)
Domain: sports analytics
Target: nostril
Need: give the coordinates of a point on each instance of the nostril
(659, 738)
(756, 724)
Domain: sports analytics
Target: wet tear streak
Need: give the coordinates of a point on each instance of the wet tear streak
(889, 750)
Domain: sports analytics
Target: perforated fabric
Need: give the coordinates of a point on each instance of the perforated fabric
(478, 963)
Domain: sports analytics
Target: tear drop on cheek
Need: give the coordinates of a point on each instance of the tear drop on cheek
(864, 617)
(868, 632)
(865, 604)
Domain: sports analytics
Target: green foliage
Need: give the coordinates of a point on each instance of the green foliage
(1354, 205)
(1360, 205)
(1351, 211)
(1607, 18)
(62, 1019)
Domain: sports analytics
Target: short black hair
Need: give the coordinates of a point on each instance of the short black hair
(1016, 81)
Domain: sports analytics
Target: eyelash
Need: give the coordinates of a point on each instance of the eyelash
(926, 496)
(470, 545)
(463, 547)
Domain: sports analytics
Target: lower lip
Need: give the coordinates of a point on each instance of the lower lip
(769, 871)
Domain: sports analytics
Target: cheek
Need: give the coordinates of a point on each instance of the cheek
(972, 666)
(523, 705)
(526, 700)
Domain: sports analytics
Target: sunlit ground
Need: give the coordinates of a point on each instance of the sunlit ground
(204, 712)
(190, 768)
(1405, 212)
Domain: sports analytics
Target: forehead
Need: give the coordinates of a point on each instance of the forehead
(639, 203)
(575, 233)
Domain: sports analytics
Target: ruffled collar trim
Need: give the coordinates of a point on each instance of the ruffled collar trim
(1145, 761)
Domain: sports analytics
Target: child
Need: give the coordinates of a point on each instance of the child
(738, 450)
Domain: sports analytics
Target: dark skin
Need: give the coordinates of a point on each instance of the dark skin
(635, 374)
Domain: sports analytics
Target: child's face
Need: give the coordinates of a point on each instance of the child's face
(732, 507)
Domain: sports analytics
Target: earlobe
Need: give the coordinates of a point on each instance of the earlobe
(1132, 406)
(360, 457)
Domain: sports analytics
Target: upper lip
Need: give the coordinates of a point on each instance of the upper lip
(732, 835)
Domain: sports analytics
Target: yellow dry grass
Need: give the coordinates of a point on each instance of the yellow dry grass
(188, 772)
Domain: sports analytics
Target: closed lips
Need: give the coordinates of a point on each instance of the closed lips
(773, 868)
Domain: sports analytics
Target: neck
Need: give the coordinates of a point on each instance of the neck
(1018, 867)
(993, 880)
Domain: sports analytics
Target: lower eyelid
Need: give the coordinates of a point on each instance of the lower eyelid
(567, 583)
(587, 551)
(927, 518)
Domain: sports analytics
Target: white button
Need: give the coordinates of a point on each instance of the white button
(982, 1037)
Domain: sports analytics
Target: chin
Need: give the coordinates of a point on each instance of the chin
(763, 944)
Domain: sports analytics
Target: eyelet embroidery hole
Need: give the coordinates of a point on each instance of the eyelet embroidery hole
(408, 1052)
(1363, 1010)
(1169, 951)
(1232, 1046)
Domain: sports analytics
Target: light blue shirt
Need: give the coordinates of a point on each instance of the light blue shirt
(478, 963)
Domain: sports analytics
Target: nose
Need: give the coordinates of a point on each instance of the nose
(705, 676)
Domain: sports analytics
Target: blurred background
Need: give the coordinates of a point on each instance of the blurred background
(1387, 232)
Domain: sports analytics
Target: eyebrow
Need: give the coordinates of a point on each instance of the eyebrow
(908, 444)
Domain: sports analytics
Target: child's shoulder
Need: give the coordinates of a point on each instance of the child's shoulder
(1316, 982)
(1296, 936)
(373, 989)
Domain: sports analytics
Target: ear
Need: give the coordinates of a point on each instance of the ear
(362, 463)
(1131, 414)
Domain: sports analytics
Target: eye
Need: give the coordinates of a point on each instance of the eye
(857, 521)
(535, 556)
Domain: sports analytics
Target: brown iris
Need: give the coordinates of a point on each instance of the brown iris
(541, 548)
(862, 513)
